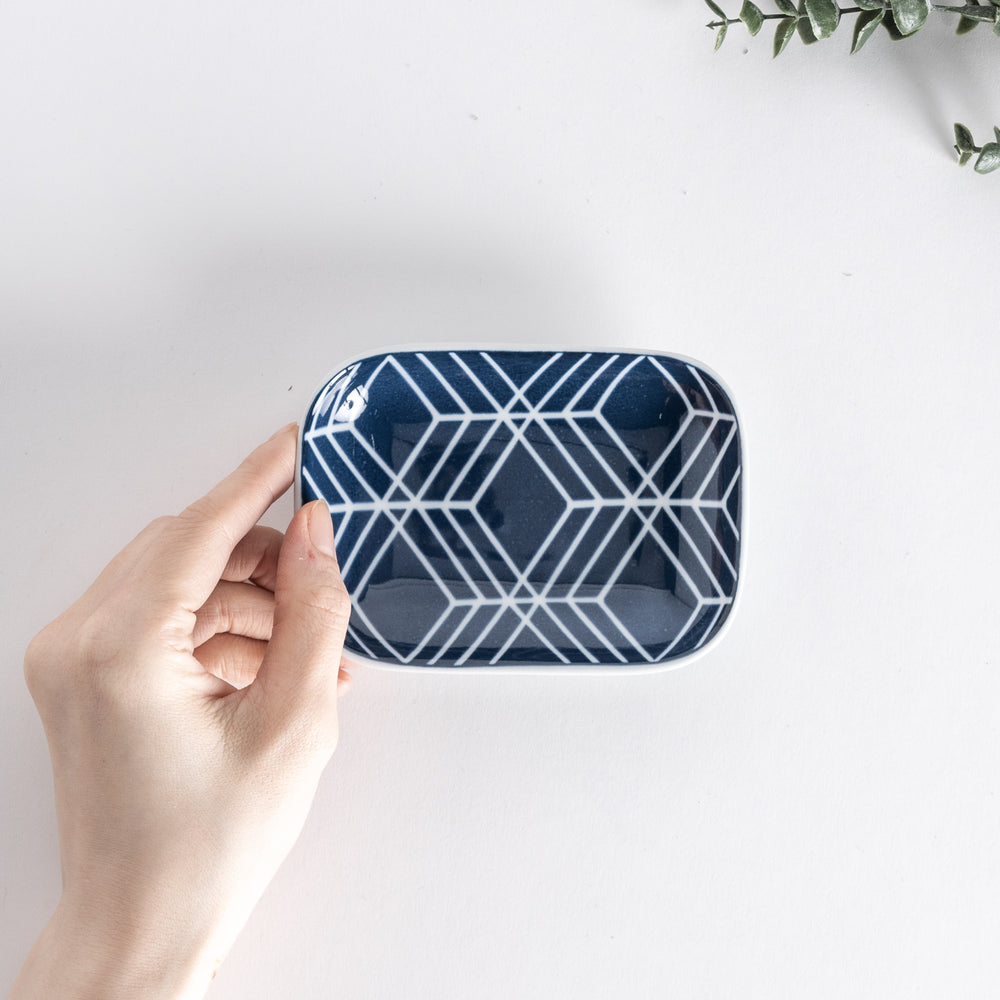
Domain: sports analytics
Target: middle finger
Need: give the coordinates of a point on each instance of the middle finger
(237, 608)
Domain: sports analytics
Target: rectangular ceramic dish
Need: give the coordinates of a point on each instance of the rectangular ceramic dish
(528, 509)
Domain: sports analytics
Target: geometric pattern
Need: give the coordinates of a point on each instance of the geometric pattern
(497, 508)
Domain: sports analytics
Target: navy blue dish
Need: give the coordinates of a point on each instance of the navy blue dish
(528, 508)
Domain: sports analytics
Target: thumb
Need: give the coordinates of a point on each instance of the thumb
(298, 677)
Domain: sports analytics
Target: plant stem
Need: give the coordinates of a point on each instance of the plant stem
(780, 17)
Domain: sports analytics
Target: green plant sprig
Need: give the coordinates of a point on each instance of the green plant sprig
(989, 154)
(814, 20)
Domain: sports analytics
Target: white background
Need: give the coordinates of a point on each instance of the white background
(203, 208)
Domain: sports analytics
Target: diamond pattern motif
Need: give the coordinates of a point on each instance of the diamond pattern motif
(522, 507)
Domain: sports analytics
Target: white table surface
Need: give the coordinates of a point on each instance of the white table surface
(204, 208)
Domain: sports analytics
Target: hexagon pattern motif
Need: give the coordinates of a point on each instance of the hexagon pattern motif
(500, 508)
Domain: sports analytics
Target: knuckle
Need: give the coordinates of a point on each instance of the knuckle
(37, 659)
(330, 599)
(65, 657)
(205, 515)
(161, 523)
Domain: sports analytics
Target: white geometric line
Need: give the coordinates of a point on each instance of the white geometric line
(377, 558)
(432, 575)
(584, 439)
(624, 449)
(475, 381)
(571, 550)
(713, 537)
(484, 441)
(695, 451)
(473, 607)
(395, 476)
(445, 455)
(519, 393)
(358, 611)
(694, 371)
(531, 417)
(516, 632)
(678, 565)
(358, 474)
(680, 635)
(575, 608)
(455, 561)
(647, 479)
(668, 375)
(321, 461)
(445, 383)
(705, 632)
(697, 552)
(625, 632)
(517, 430)
(506, 600)
(561, 381)
(533, 410)
(613, 384)
(597, 554)
(539, 604)
(725, 502)
(430, 632)
(575, 504)
(590, 381)
(543, 607)
(718, 457)
(307, 475)
(475, 646)
(352, 631)
(647, 529)
(400, 475)
(408, 378)
(543, 423)
(474, 552)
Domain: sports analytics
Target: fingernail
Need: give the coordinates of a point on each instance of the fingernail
(321, 527)
(284, 430)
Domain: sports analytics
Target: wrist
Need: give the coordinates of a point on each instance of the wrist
(88, 956)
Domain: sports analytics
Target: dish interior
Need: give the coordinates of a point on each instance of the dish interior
(501, 508)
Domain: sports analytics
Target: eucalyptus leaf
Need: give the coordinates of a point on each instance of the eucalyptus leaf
(716, 10)
(824, 16)
(804, 27)
(783, 34)
(786, 7)
(971, 12)
(989, 158)
(965, 25)
(890, 27)
(964, 142)
(909, 15)
(752, 16)
(865, 27)
(721, 36)
(964, 158)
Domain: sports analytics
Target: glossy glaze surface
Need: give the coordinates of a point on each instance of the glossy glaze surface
(501, 508)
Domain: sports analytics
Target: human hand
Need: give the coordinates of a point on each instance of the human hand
(189, 699)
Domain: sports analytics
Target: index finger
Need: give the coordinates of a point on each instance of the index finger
(191, 554)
